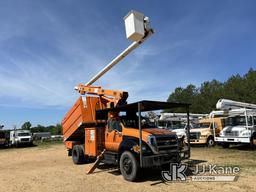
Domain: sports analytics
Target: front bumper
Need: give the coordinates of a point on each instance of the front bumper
(162, 159)
(198, 141)
(158, 160)
(232, 139)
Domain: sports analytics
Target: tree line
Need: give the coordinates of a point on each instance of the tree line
(53, 129)
(203, 99)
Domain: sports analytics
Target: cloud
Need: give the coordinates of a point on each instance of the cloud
(38, 77)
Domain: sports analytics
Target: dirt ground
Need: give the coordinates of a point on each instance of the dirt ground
(48, 168)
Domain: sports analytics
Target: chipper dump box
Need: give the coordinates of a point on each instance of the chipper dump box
(81, 116)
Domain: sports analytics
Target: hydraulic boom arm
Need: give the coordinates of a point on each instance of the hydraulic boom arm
(115, 97)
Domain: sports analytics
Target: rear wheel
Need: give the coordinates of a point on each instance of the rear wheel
(78, 155)
(129, 166)
(210, 142)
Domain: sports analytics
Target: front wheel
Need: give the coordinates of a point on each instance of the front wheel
(210, 142)
(129, 166)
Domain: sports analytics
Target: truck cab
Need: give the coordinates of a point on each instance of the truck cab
(21, 137)
(203, 132)
(174, 124)
(239, 129)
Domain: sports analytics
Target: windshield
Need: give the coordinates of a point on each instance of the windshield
(238, 120)
(201, 125)
(23, 134)
(176, 125)
(133, 123)
(162, 123)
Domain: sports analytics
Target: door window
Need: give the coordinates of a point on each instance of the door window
(114, 124)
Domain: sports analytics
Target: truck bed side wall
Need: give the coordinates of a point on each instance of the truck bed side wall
(80, 114)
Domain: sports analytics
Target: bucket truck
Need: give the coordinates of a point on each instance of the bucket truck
(101, 126)
(240, 125)
(177, 122)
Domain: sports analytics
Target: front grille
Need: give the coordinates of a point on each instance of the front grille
(231, 134)
(25, 139)
(166, 142)
(195, 135)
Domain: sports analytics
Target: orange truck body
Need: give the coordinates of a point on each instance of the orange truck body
(82, 128)
(86, 135)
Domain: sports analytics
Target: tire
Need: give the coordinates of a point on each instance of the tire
(252, 145)
(78, 155)
(210, 142)
(129, 166)
(225, 145)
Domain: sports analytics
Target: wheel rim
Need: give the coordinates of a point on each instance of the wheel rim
(210, 142)
(127, 166)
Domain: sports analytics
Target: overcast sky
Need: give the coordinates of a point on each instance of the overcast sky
(47, 47)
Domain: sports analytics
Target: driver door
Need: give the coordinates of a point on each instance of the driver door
(113, 135)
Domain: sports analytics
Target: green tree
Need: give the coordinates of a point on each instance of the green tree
(205, 97)
(27, 125)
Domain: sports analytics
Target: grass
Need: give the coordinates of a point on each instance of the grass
(47, 144)
(244, 157)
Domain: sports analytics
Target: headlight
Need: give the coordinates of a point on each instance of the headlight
(152, 140)
(221, 133)
(152, 143)
(179, 135)
(144, 148)
(246, 133)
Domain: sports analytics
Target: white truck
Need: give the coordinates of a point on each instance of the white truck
(177, 122)
(240, 125)
(21, 137)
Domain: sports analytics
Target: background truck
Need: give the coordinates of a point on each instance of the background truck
(3, 139)
(103, 126)
(21, 137)
(203, 132)
(240, 125)
(177, 122)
